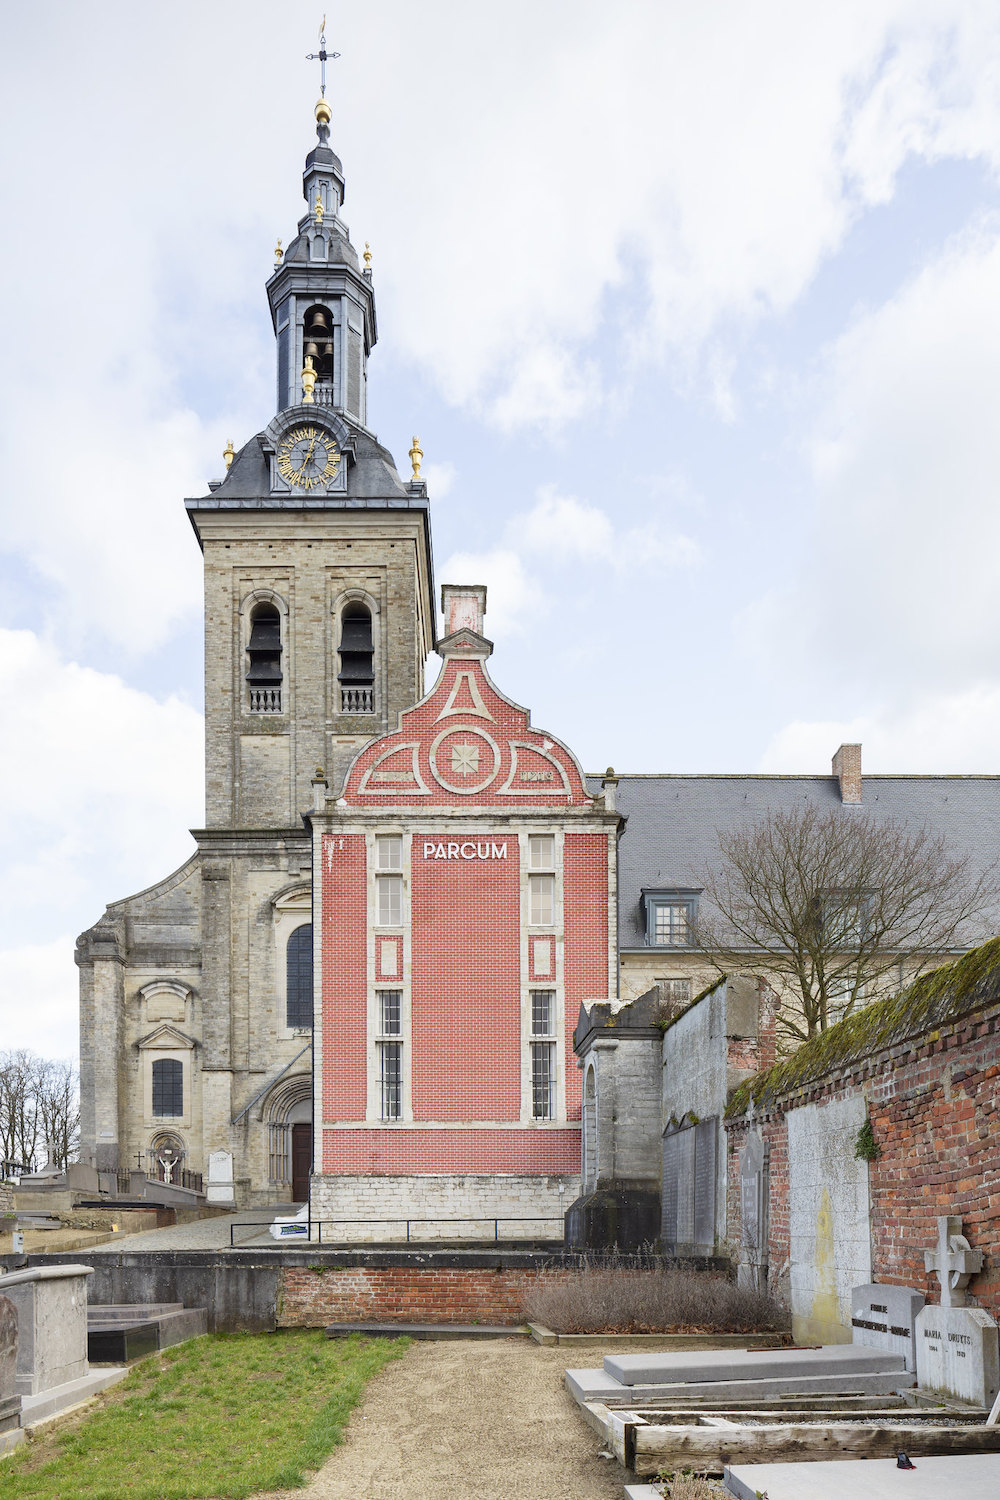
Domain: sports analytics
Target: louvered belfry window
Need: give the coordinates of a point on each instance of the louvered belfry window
(357, 661)
(264, 650)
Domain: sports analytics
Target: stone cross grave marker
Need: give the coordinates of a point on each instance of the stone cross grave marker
(884, 1317)
(958, 1347)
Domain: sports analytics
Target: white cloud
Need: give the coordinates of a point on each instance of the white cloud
(565, 528)
(948, 732)
(107, 779)
(514, 599)
(40, 987)
(440, 479)
(898, 582)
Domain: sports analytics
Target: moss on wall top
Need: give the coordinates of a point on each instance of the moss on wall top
(933, 1000)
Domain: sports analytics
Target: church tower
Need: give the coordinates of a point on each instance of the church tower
(196, 994)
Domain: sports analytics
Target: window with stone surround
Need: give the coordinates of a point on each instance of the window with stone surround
(264, 648)
(168, 1087)
(674, 993)
(543, 1054)
(390, 1075)
(299, 978)
(389, 897)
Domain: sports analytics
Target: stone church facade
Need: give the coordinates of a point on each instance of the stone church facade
(368, 974)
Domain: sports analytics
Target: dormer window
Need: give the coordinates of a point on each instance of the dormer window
(670, 917)
(264, 650)
(357, 661)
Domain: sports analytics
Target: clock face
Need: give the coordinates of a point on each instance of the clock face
(308, 457)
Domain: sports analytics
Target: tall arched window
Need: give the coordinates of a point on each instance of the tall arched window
(357, 661)
(168, 1086)
(299, 977)
(264, 651)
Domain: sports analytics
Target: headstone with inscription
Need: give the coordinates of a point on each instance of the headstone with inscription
(884, 1317)
(958, 1347)
(220, 1177)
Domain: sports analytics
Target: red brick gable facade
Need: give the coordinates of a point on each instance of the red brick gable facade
(465, 740)
(465, 896)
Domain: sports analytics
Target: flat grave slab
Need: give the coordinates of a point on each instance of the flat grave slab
(936, 1478)
(597, 1385)
(750, 1364)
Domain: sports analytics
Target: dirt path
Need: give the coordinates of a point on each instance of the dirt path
(466, 1420)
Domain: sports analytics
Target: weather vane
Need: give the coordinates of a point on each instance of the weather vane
(322, 56)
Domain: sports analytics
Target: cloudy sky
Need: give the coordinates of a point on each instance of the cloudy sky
(695, 308)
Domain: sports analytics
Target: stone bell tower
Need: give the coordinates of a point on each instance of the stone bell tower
(196, 1008)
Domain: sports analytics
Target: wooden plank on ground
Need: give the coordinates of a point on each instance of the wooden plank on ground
(649, 1448)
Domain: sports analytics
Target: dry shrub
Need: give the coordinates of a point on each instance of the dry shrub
(618, 1294)
(690, 1487)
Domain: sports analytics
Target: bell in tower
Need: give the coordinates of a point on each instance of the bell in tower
(318, 345)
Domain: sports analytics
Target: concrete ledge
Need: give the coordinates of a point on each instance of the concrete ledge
(427, 1330)
(59, 1398)
(10, 1440)
(666, 1341)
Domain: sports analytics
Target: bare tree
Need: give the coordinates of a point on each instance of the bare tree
(58, 1107)
(38, 1105)
(830, 902)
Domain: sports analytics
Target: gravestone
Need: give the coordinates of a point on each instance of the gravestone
(958, 1347)
(752, 1268)
(884, 1317)
(220, 1177)
(10, 1400)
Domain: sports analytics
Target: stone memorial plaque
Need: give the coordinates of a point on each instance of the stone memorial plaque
(884, 1317)
(751, 1270)
(958, 1352)
(704, 1183)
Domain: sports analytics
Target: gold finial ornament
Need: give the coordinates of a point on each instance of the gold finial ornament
(416, 458)
(278, 253)
(323, 112)
(308, 382)
(318, 209)
(367, 257)
(229, 453)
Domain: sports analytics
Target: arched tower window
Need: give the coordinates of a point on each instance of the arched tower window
(357, 661)
(299, 977)
(317, 342)
(264, 650)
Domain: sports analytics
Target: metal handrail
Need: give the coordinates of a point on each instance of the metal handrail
(309, 1223)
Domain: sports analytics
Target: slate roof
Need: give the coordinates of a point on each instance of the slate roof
(372, 475)
(670, 832)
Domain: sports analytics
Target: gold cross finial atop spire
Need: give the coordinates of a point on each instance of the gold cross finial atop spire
(323, 113)
(367, 257)
(416, 458)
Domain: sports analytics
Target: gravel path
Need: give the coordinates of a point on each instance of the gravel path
(470, 1420)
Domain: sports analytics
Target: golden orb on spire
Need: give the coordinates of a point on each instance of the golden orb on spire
(323, 112)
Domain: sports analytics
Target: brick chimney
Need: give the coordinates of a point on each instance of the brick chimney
(463, 606)
(847, 769)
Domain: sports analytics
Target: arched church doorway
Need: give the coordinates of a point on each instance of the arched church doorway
(288, 1112)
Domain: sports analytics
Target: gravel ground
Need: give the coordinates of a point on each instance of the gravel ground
(471, 1420)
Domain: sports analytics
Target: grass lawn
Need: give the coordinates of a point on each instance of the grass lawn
(220, 1416)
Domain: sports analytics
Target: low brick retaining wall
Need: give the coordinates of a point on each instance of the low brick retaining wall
(408, 1294)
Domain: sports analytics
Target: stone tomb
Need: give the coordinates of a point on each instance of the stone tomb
(51, 1371)
(958, 1347)
(884, 1317)
(10, 1400)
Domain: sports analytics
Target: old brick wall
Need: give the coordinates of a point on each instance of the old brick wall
(408, 1294)
(934, 1105)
